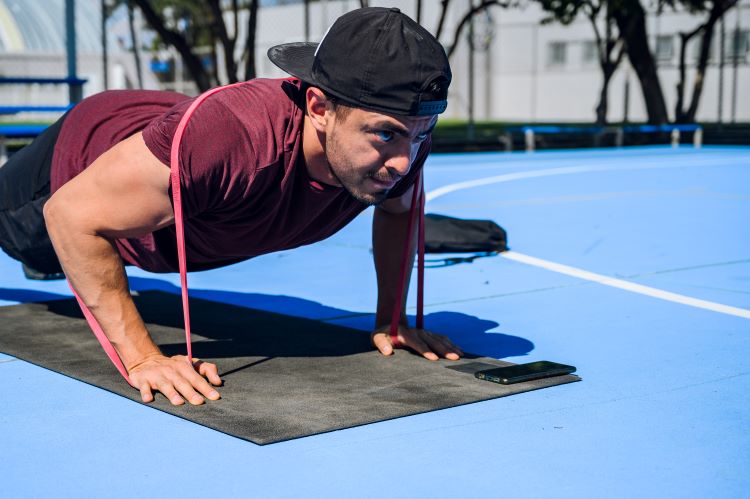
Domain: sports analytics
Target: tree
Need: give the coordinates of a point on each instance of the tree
(609, 46)
(466, 19)
(630, 18)
(203, 24)
(135, 48)
(715, 10)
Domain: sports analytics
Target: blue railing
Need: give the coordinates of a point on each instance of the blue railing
(13, 130)
(531, 131)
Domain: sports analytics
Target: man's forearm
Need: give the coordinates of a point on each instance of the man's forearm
(388, 239)
(96, 272)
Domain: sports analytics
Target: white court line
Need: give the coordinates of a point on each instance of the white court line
(580, 273)
(548, 172)
(451, 164)
(626, 285)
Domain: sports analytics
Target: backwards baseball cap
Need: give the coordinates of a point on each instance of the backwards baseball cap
(374, 58)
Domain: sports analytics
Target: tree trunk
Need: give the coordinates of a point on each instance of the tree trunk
(227, 42)
(443, 14)
(250, 42)
(135, 48)
(192, 62)
(307, 20)
(631, 21)
(719, 8)
(474, 10)
(679, 113)
(602, 107)
(608, 61)
(700, 72)
(214, 60)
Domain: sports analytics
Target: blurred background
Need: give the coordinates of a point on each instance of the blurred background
(527, 73)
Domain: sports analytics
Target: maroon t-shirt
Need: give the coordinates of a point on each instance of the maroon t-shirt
(245, 188)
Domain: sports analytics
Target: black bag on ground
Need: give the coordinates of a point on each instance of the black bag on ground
(454, 235)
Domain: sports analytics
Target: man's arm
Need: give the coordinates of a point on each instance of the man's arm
(389, 236)
(124, 193)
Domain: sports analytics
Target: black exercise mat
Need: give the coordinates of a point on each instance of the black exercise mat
(284, 377)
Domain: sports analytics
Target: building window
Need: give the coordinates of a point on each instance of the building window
(697, 43)
(664, 48)
(737, 45)
(590, 53)
(556, 53)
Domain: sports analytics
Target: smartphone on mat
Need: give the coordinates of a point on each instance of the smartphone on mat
(524, 372)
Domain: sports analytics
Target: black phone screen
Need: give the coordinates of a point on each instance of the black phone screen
(525, 372)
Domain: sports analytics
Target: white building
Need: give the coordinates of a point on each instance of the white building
(528, 72)
(32, 44)
(546, 73)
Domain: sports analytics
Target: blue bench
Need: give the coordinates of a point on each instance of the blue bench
(552, 129)
(675, 132)
(691, 127)
(13, 130)
(16, 131)
(23, 80)
(21, 130)
(34, 109)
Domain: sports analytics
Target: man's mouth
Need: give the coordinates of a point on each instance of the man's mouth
(383, 182)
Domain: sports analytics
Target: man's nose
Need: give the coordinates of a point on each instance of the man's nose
(400, 160)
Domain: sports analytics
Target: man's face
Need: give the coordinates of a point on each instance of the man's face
(368, 152)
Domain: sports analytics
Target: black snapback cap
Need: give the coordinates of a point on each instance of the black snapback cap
(374, 58)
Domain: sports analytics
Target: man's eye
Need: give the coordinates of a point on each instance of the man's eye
(384, 135)
(422, 136)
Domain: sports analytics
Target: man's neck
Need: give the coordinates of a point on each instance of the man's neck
(313, 150)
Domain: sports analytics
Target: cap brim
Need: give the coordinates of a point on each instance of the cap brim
(295, 58)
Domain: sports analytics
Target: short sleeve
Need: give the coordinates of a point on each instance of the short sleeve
(208, 158)
(405, 183)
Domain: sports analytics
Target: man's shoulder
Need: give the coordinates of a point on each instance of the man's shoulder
(263, 114)
(130, 98)
(279, 95)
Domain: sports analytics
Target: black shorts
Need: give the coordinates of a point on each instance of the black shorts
(24, 188)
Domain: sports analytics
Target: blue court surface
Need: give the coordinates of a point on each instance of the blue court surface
(631, 264)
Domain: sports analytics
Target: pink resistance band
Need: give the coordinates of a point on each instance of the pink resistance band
(417, 208)
(179, 229)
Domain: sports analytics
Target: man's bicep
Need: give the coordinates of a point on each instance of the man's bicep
(124, 193)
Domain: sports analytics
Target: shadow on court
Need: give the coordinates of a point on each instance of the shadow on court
(286, 321)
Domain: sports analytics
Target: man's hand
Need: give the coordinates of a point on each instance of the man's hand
(176, 379)
(429, 345)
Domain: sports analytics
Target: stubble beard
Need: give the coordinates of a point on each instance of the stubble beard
(345, 172)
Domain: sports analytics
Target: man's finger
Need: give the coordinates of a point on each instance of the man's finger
(146, 394)
(210, 371)
(186, 389)
(414, 342)
(194, 381)
(383, 343)
(442, 345)
(452, 346)
(167, 389)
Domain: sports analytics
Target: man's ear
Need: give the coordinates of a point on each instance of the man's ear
(318, 108)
